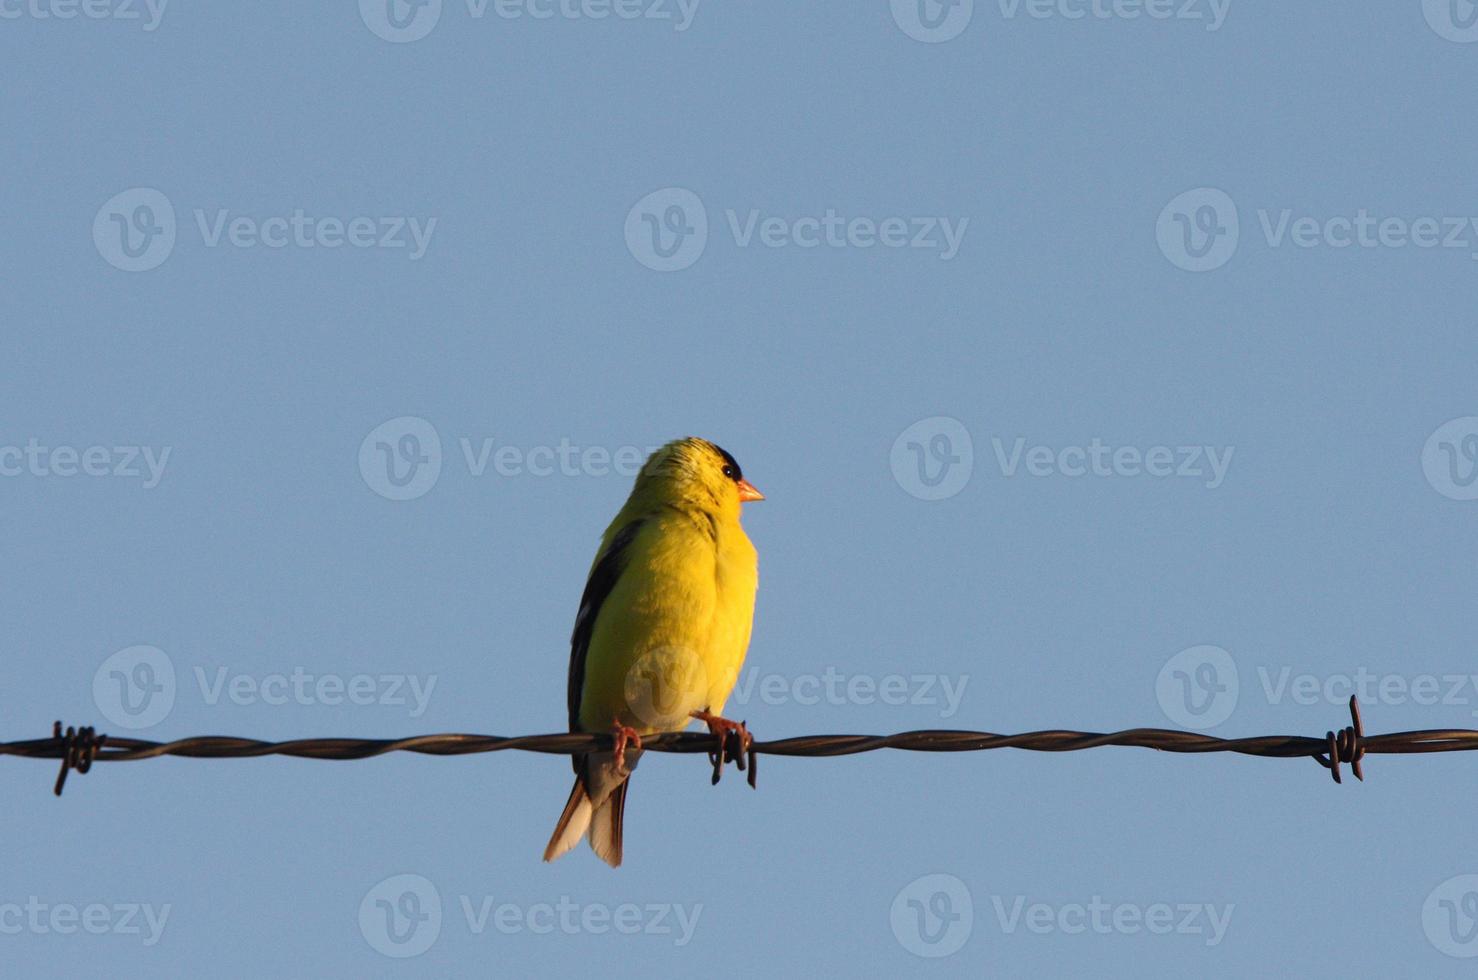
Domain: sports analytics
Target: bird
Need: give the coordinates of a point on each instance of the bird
(662, 628)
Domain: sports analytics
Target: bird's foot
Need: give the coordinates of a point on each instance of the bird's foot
(625, 735)
(734, 744)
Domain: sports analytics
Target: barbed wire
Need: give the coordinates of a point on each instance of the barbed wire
(79, 748)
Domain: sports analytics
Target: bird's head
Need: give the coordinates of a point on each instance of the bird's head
(695, 473)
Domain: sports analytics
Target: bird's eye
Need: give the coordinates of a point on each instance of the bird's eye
(728, 471)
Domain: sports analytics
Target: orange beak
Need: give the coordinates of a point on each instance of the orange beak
(747, 492)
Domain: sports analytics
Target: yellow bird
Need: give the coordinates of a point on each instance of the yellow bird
(662, 629)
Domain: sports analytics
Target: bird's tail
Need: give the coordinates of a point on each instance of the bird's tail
(595, 809)
(605, 826)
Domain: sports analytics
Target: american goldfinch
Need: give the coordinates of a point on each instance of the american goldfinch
(662, 628)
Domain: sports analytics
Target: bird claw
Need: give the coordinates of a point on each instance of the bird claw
(625, 735)
(734, 744)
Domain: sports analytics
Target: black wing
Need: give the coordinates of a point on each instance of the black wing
(602, 580)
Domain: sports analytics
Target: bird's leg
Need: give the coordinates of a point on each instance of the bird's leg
(625, 735)
(723, 730)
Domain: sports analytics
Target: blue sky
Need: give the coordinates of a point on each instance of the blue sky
(1105, 365)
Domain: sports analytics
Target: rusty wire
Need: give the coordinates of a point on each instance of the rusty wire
(78, 749)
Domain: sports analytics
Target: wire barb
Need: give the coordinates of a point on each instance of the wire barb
(1347, 746)
(732, 745)
(79, 748)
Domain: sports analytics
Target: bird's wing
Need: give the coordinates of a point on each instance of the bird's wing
(603, 578)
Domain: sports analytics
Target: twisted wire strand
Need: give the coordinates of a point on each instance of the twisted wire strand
(78, 749)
